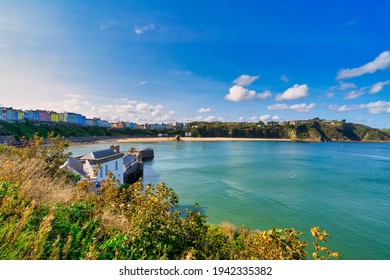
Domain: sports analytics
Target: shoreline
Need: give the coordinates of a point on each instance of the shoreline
(195, 139)
(153, 139)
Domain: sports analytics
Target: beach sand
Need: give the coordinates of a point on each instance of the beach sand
(193, 139)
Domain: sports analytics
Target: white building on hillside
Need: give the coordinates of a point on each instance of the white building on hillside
(100, 161)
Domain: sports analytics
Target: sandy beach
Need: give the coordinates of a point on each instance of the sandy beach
(193, 139)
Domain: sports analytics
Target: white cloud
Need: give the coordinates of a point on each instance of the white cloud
(140, 30)
(278, 106)
(378, 87)
(241, 118)
(381, 62)
(295, 92)
(245, 80)
(284, 78)
(296, 107)
(171, 113)
(239, 93)
(264, 95)
(265, 118)
(346, 108)
(302, 107)
(378, 107)
(204, 110)
(346, 86)
(355, 94)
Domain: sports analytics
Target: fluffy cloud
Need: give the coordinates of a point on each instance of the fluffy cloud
(139, 30)
(245, 80)
(265, 118)
(204, 110)
(295, 92)
(278, 106)
(239, 93)
(378, 107)
(303, 107)
(381, 62)
(378, 87)
(120, 110)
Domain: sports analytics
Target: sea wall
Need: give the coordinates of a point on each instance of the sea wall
(146, 154)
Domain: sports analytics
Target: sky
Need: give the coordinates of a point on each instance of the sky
(164, 61)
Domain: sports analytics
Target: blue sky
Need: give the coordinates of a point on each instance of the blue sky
(161, 61)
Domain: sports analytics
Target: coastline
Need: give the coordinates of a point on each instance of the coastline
(121, 139)
(195, 139)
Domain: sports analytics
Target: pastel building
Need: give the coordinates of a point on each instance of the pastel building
(11, 115)
(54, 117)
(62, 117)
(3, 114)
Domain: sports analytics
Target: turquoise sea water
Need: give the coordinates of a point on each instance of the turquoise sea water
(342, 187)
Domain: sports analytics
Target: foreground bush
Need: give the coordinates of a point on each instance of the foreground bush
(44, 214)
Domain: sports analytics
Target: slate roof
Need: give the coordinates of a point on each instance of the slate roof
(128, 159)
(99, 154)
(76, 165)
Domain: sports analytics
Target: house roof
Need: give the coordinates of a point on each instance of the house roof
(128, 159)
(99, 154)
(75, 165)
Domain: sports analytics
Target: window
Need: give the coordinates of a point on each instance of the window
(101, 172)
(106, 169)
(116, 165)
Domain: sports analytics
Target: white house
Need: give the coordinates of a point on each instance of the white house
(100, 161)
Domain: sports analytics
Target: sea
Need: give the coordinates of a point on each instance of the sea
(342, 187)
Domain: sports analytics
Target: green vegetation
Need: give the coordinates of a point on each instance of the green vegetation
(46, 214)
(28, 129)
(309, 130)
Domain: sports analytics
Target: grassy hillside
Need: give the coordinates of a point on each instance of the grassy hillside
(46, 214)
(310, 130)
(28, 129)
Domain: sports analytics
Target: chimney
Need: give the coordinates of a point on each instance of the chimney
(115, 148)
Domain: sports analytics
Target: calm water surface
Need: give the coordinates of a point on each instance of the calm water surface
(342, 187)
